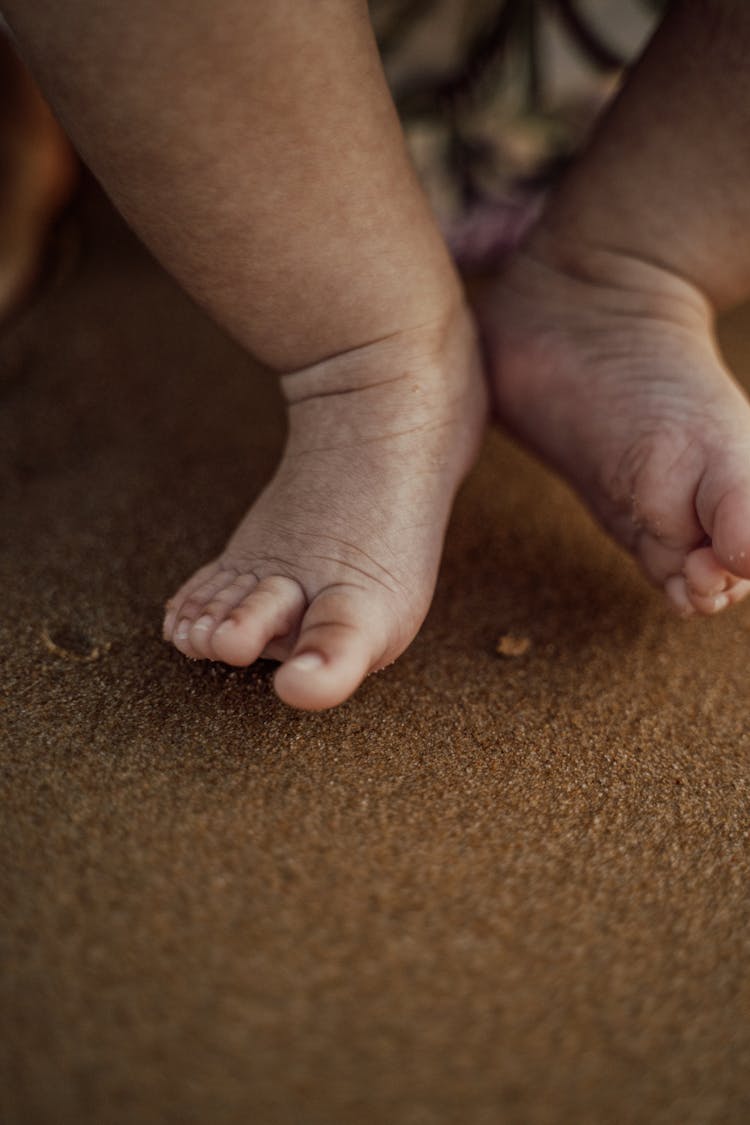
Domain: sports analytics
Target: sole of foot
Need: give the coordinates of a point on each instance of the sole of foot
(333, 569)
(607, 366)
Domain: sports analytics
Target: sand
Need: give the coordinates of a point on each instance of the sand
(486, 890)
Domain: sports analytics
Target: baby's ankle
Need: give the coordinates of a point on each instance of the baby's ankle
(611, 276)
(420, 387)
(438, 347)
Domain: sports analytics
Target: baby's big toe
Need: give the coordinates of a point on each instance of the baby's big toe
(728, 522)
(343, 637)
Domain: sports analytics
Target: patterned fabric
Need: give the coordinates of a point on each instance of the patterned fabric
(496, 95)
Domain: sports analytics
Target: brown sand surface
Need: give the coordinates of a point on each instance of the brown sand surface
(488, 889)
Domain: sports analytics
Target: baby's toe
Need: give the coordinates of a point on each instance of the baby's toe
(216, 611)
(678, 595)
(272, 609)
(705, 586)
(192, 607)
(724, 509)
(704, 574)
(738, 590)
(687, 602)
(173, 606)
(343, 637)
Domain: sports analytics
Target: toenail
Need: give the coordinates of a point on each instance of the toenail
(182, 631)
(718, 588)
(204, 623)
(676, 590)
(721, 602)
(306, 662)
(225, 627)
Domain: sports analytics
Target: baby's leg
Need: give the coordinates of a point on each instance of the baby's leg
(255, 147)
(600, 332)
(37, 177)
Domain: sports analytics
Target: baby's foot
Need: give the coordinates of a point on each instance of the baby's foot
(333, 569)
(608, 367)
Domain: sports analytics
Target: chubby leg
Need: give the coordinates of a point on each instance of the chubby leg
(255, 148)
(37, 176)
(600, 331)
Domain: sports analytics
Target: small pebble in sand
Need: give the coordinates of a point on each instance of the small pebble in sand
(511, 644)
